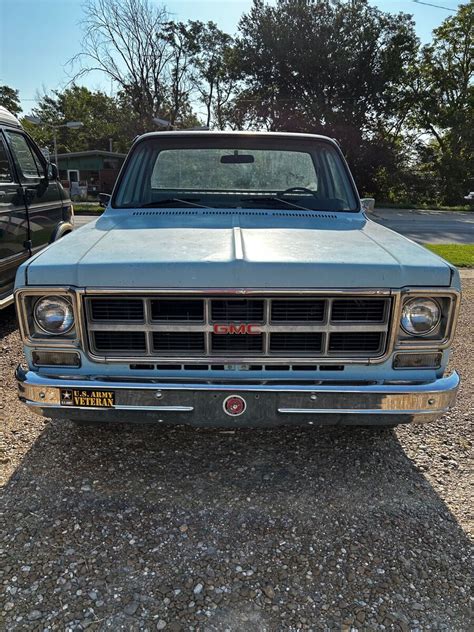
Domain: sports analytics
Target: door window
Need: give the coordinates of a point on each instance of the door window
(29, 164)
(5, 169)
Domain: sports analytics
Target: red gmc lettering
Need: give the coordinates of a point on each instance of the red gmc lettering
(232, 328)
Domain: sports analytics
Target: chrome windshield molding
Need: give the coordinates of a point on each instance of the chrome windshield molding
(51, 341)
(88, 325)
(426, 342)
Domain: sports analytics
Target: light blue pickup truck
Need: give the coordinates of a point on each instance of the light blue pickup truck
(235, 279)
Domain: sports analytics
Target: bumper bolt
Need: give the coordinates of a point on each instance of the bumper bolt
(313, 396)
(158, 394)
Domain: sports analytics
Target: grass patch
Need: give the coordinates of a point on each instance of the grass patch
(87, 208)
(461, 255)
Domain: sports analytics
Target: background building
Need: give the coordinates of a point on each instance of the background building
(88, 173)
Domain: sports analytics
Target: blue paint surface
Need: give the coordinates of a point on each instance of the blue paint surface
(175, 248)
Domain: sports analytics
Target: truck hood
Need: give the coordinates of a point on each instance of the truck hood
(194, 248)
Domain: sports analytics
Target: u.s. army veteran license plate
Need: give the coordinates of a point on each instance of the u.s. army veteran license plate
(87, 398)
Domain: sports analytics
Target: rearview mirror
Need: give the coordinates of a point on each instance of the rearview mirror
(104, 199)
(368, 205)
(237, 159)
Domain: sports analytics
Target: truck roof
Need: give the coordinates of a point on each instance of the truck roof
(202, 133)
(7, 118)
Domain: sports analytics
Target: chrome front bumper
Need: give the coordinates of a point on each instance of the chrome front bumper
(202, 404)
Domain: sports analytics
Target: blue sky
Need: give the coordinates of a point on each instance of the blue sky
(37, 37)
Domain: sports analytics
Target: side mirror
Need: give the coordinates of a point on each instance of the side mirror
(52, 171)
(368, 205)
(104, 199)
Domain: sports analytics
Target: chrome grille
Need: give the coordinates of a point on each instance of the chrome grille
(214, 326)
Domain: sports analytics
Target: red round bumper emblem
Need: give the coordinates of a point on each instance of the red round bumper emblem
(234, 405)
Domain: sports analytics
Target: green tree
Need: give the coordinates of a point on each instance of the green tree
(442, 91)
(9, 99)
(101, 115)
(213, 76)
(329, 66)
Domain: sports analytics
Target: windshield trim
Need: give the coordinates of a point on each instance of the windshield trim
(244, 140)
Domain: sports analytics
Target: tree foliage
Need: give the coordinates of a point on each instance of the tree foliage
(101, 115)
(402, 113)
(329, 67)
(443, 103)
(9, 99)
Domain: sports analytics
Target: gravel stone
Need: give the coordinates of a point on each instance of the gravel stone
(319, 528)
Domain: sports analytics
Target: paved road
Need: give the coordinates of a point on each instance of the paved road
(436, 227)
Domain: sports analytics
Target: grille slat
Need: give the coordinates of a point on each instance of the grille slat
(307, 342)
(179, 342)
(177, 310)
(365, 310)
(297, 310)
(231, 343)
(120, 341)
(355, 342)
(117, 309)
(237, 310)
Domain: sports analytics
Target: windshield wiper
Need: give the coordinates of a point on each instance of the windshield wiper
(158, 203)
(273, 199)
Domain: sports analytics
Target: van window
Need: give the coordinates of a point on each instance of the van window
(5, 170)
(28, 162)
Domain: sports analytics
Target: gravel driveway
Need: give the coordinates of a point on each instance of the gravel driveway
(152, 528)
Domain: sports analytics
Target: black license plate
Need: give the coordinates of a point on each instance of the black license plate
(87, 398)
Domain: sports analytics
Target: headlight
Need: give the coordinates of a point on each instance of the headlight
(54, 315)
(420, 316)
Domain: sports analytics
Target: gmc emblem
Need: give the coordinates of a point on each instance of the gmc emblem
(232, 328)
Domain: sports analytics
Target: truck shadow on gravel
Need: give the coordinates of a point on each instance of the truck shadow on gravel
(321, 528)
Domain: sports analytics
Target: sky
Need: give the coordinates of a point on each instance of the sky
(38, 37)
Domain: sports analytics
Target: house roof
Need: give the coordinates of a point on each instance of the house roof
(92, 152)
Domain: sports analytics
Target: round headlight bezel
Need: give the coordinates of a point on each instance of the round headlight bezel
(68, 306)
(415, 300)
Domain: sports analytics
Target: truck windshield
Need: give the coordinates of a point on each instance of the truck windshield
(235, 172)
